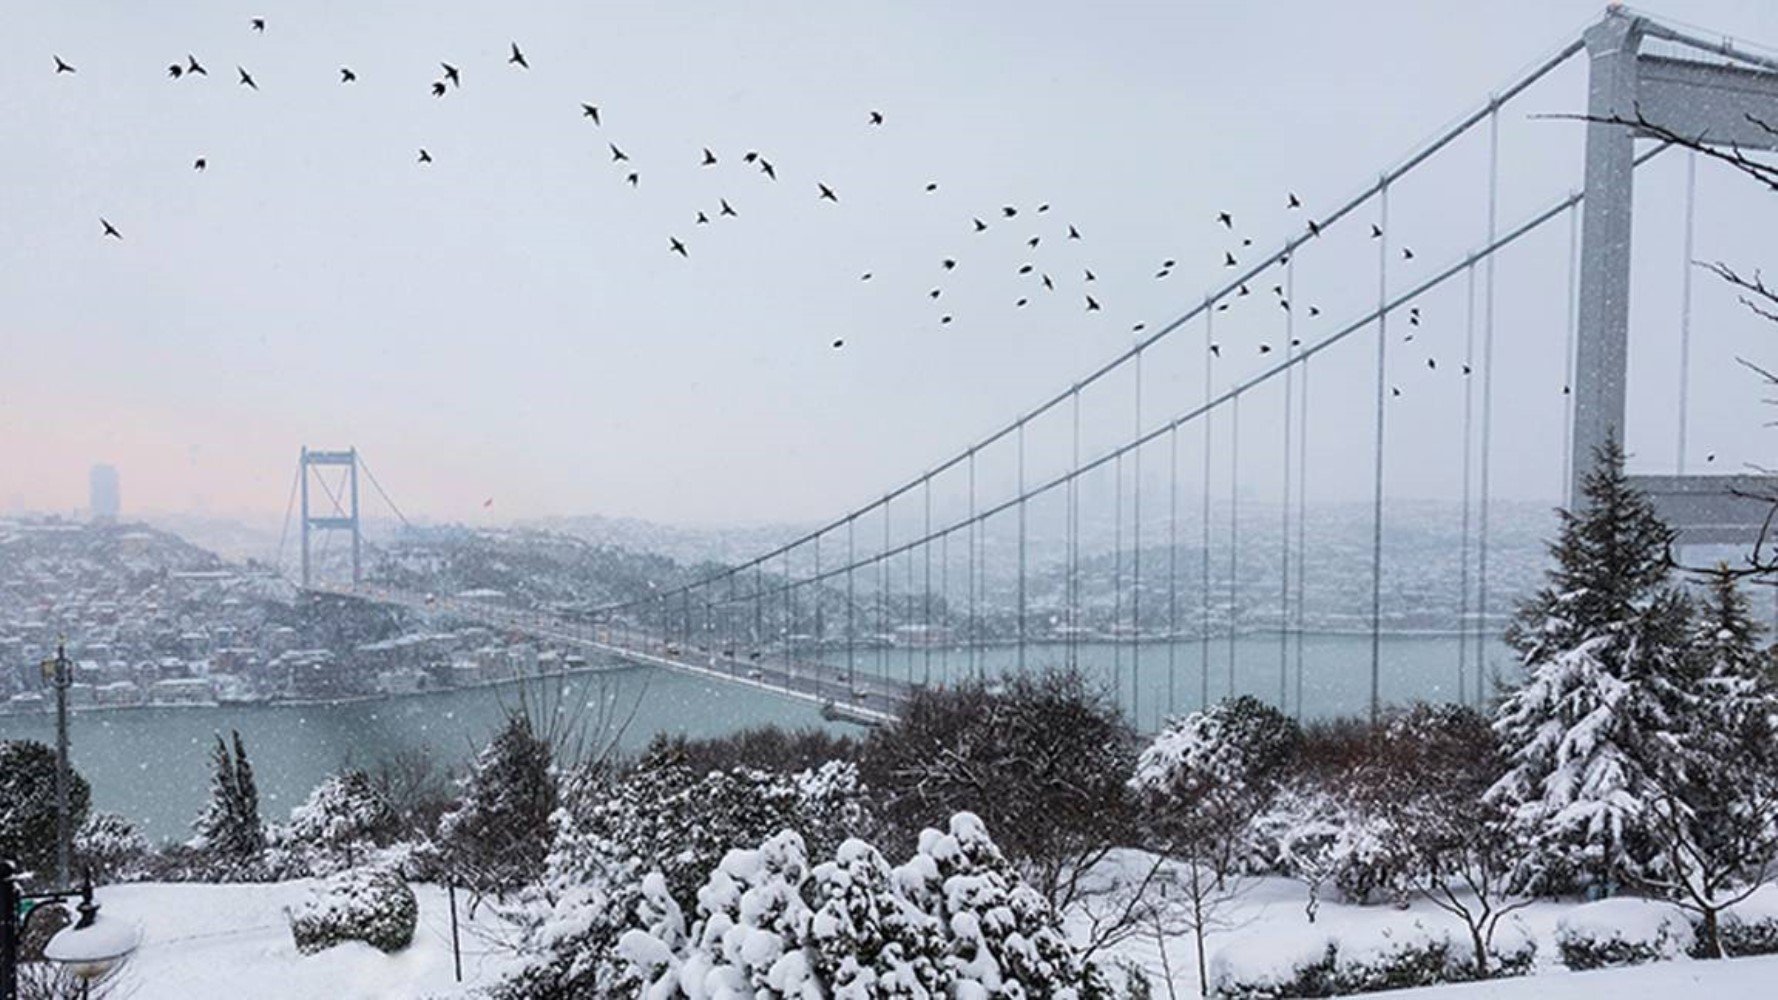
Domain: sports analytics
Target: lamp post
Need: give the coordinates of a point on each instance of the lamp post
(89, 949)
(57, 673)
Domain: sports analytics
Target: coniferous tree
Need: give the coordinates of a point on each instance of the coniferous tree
(1590, 732)
(230, 835)
(497, 836)
(1715, 820)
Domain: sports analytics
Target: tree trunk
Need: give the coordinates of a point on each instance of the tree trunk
(1712, 934)
(1481, 952)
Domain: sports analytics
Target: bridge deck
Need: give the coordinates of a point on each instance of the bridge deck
(860, 699)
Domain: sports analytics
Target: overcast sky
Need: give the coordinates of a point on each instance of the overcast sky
(507, 322)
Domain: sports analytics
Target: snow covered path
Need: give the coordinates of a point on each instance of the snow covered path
(202, 940)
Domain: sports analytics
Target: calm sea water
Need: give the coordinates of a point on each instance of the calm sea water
(151, 764)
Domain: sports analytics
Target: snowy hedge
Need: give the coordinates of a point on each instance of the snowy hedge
(1751, 928)
(1309, 961)
(1623, 931)
(956, 920)
(372, 905)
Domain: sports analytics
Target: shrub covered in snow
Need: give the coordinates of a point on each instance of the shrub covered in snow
(341, 822)
(1308, 962)
(372, 905)
(956, 920)
(110, 847)
(496, 836)
(1751, 928)
(1623, 931)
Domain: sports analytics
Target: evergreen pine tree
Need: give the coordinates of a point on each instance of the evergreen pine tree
(1590, 732)
(230, 836)
(497, 836)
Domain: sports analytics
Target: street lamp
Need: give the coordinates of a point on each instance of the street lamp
(57, 673)
(89, 949)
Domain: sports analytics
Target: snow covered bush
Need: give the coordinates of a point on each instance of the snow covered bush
(1751, 928)
(110, 847)
(28, 803)
(341, 822)
(665, 819)
(372, 905)
(1623, 931)
(956, 920)
(1310, 962)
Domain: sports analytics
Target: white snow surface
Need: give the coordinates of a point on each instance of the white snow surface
(202, 940)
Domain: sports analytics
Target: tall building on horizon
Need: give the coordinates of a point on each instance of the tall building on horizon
(104, 495)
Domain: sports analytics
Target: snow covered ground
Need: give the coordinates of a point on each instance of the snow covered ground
(202, 940)
(232, 940)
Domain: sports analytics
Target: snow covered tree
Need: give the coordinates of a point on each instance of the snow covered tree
(230, 841)
(1041, 759)
(342, 820)
(1591, 732)
(1714, 818)
(110, 847)
(497, 835)
(28, 804)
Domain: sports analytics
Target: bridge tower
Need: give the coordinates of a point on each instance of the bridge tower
(1712, 100)
(342, 512)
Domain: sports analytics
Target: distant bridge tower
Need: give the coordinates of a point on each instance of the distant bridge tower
(342, 512)
(1717, 101)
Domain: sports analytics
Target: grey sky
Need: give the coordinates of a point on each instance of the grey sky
(507, 322)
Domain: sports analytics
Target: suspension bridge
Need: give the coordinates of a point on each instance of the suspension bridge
(1199, 452)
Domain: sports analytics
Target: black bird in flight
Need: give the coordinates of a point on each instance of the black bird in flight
(616, 154)
(838, 344)
(425, 157)
(1227, 220)
(1033, 241)
(1043, 208)
(1092, 306)
(709, 157)
(1432, 364)
(438, 88)
(765, 167)
(1228, 259)
(1466, 369)
(347, 76)
(1216, 350)
(176, 71)
(1242, 290)
(1314, 228)
(1314, 310)
(1047, 283)
(703, 220)
(258, 24)
(110, 230)
(1009, 211)
(1025, 269)
(980, 226)
(518, 58)
(935, 293)
(949, 264)
(590, 111)
(1413, 321)
(1090, 276)
(827, 192)
(674, 246)
(1169, 264)
(1265, 348)
(1022, 303)
(1073, 233)
(1708, 458)
(1294, 203)
(876, 118)
(634, 178)
(193, 66)
(1278, 290)
(1285, 304)
(1222, 307)
(200, 164)
(864, 277)
(1139, 327)
(932, 187)
(1247, 242)
(726, 209)
(1376, 231)
(246, 78)
(62, 67)
(1394, 391)
(945, 319)
(1162, 273)
(452, 75)
(1407, 254)
(749, 157)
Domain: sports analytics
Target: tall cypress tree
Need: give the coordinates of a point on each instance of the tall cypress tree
(230, 835)
(1590, 731)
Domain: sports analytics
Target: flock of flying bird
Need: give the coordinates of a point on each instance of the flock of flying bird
(451, 78)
